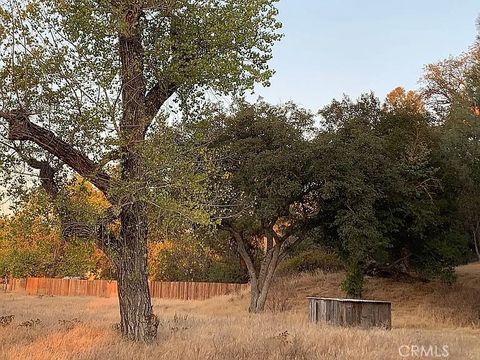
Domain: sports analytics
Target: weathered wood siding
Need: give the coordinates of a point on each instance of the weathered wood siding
(350, 312)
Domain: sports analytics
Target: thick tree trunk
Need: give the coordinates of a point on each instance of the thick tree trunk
(267, 270)
(254, 295)
(258, 298)
(267, 281)
(137, 319)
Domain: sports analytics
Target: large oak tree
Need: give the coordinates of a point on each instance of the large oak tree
(82, 83)
(262, 183)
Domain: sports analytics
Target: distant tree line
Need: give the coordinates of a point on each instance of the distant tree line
(390, 187)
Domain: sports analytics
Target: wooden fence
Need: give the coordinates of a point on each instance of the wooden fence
(105, 288)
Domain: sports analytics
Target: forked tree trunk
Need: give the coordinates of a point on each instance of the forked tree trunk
(261, 281)
(259, 293)
(265, 276)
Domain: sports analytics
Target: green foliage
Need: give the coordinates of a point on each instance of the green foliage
(354, 281)
(185, 260)
(452, 89)
(31, 242)
(311, 260)
(261, 156)
(27, 243)
(176, 189)
(59, 60)
(21, 263)
(384, 196)
(190, 259)
(227, 270)
(230, 43)
(437, 258)
(78, 259)
(31, 251)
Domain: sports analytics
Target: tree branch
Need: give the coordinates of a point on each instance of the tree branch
(243, 253)
(287, 243)
(47, 176)
(108, 157)
(156, 97)
(22, 129)
(99, 231)
(47, 172)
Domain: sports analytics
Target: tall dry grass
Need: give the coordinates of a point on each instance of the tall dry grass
(220, 328)
(432, 305)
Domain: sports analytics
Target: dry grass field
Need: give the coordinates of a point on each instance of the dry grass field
(425, 315)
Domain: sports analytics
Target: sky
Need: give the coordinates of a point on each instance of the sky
(338, 47)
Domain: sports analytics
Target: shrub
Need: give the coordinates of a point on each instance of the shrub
(78, 259)
(311, 260)
(190, 260)
(227, 270)
(354, 281)
(182, 260)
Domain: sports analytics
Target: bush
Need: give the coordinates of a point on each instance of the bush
(311, 260)
(354, 281)
(190, 260)
(183, 260)
(78, 259)
(228, 270)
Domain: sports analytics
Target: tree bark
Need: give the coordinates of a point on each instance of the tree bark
(475, 240)
(267, 282)
(252, 274)
(137, 319)
(22, 129)
(261, 281)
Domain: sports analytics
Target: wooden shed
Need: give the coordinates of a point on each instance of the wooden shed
(350, 312)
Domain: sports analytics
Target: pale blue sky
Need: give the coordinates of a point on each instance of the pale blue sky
(351, 46)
